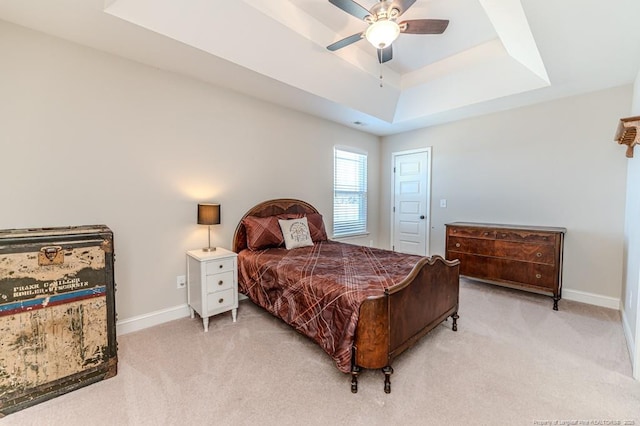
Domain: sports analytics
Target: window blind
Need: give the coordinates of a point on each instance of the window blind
(349, 193)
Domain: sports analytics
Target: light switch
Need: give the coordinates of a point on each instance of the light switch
(443, 203)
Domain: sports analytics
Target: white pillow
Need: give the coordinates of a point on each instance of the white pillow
(296, 233)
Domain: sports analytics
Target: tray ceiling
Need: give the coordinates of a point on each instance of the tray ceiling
(495, 54)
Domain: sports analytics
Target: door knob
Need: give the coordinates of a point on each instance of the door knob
(421, 216)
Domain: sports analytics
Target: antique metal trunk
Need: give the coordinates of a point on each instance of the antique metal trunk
(57, 312)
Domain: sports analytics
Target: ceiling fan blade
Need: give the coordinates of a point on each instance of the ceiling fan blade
(424, 26)
(402, 5)
(345, 42)
(385, 54)
(351, 7)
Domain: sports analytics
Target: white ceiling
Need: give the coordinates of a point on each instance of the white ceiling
(495, 54)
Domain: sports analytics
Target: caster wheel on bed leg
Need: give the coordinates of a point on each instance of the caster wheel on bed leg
(455, 321)
(355, 370)
(388, 371)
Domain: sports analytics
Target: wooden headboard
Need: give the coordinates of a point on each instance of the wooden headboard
(269, 208)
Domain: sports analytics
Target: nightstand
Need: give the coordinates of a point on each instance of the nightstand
(212, 283)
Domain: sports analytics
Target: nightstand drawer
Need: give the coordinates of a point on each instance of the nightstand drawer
(220, 299)
(219, 282)
(220, 265)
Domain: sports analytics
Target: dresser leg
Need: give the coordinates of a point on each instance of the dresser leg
(192, 312)
(205, 322)
(555, 303)
(234, 314)
(455, 321)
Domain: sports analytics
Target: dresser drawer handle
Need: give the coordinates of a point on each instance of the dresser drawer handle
(504, 235)
(220, 282)
(485, 234)
(220, 300)
(539, 254)
(457, 244)
(538, 276)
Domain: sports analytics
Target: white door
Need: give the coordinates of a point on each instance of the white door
(411, 200)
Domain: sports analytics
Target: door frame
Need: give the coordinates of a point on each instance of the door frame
(428, 195)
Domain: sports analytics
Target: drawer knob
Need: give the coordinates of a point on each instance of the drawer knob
(220, 300)
(539, 254)
(538, 276)
(504, 235)
(485, 234)
(220, 282)
(220, 266)
(457, 244)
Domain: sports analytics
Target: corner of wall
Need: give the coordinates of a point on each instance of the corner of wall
(630, 311)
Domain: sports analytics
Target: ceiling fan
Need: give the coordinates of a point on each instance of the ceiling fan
(383, 28)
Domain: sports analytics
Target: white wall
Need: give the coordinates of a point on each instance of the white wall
(632, 247)
(90, 138)
(552, 164)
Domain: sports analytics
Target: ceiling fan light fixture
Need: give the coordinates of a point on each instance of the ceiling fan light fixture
(382, 33)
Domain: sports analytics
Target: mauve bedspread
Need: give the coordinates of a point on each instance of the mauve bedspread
(318, 290)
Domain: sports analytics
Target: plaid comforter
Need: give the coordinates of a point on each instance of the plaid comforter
(318, 290)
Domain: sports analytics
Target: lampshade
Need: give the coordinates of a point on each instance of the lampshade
(382, 33)
(208, 214)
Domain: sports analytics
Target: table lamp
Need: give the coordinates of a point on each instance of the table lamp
(208, 214)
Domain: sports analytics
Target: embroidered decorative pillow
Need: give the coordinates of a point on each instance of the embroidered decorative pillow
(316, 227)
(262, 232)
(296, 233)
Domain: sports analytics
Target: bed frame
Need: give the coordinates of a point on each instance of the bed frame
(393, 322)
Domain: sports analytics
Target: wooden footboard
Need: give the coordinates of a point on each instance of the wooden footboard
(390, 324)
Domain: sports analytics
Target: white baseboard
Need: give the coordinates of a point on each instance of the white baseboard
(591, 298)
(140, 322)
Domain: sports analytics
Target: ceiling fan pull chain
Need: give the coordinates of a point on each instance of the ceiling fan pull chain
(380, 75)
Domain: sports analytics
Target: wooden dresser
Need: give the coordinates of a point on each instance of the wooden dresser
(523, 257)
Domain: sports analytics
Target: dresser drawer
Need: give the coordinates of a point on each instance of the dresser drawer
(472, 265)
(471, 245)
(221, 265)
(510, 271)
(535, 253)
(525, 236)
(220, 300)
(219, 282)
(472, 232)
(534, 274)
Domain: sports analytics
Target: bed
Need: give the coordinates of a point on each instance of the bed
(363, 306)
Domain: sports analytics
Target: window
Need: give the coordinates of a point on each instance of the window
(349, 193)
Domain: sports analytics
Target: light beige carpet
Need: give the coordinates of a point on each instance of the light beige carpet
(514, 361)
